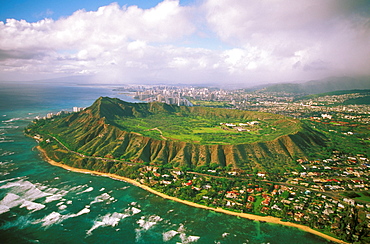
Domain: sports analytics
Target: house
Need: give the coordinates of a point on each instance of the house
(264, 209)
(189, 183)
(276, 207)
(328, 211)
(207, 186)
(254, 123)
(349, 201)
(286, 201)
(251, 199)
(298, 216)
(230, 125)
(177, 172)
(326, 116)
(166, 182)
(267, 200)
(232, 194)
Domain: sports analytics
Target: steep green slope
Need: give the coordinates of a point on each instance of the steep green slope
(100, 131)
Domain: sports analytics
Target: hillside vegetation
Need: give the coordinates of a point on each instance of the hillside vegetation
(320, 86)
(162, 134)
(365, 93)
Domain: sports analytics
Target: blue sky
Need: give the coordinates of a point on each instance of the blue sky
(189, 41)
(34, 10)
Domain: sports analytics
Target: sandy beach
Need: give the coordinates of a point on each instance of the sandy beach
(220, 210)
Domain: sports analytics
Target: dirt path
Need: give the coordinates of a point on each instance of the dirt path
(160, 132)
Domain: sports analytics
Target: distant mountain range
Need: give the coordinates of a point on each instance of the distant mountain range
(321, 86)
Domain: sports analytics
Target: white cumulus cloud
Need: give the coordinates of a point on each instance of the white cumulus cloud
(249, 41)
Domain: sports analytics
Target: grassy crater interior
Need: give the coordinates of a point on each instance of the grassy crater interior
(204, 126)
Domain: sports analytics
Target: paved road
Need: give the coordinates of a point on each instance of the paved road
(85, 156)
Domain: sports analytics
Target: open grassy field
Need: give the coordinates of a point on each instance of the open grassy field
(203, 130)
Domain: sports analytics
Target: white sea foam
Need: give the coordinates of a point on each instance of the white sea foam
(53, 218)
(103, 197)
(24, 189)
(225, 234)
(69, 202)
(4, 209)
(135, 210)
(76, 187)
(107, 220)
(53, 191)
(10, 120)
(12, 179)
(57, 218)
(9, 201)
(9, 127)
(167, 236)
(188, 239)
(83, 211)
(60, 203)
(181, 231)
(87, 190)
(53, 198)
(102, 189)
(3, 140)
(147, 222)
(32, 205)
(23, 193)
(6, 153)
(61, 207)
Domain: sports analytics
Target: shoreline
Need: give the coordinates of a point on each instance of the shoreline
(268, 219)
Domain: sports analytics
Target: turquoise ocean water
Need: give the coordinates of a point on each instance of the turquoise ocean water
(40, 203)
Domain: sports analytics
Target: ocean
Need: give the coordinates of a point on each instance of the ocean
(41, 203)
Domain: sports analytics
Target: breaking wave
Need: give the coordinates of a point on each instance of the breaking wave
(112, 219)
(23, 194)
(145, 223)
(181, 232)
(167, 236)
(105, 197)
(11, 120)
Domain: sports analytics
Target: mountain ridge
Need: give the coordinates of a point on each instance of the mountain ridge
(321, 86)
(95, 132)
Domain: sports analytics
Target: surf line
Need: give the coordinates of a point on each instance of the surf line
(268, 219)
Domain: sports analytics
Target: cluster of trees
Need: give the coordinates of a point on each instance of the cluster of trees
(340, 140)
